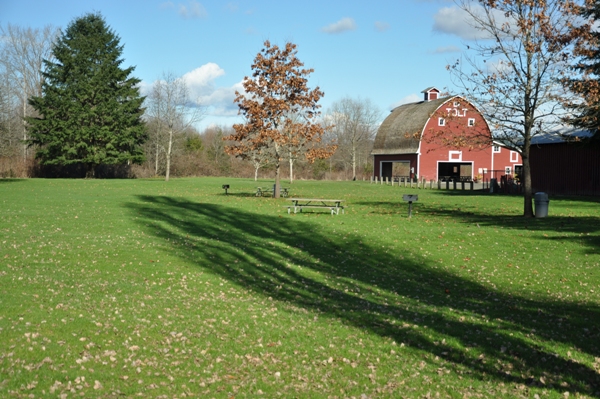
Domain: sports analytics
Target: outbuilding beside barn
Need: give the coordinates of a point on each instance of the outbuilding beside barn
(566, 163)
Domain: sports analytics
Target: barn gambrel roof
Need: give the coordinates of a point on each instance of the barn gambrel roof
(400, 132)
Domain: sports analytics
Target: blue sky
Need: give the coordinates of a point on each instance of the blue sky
(386, 51)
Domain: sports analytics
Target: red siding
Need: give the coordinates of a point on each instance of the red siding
(438, 143)
(568, 169)
(460, 141)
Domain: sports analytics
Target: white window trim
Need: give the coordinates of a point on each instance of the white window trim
(451, 155)
(471, 122)
(441, 122)
(456, 104)
(508, 170)
(496, 148)
(514, 156)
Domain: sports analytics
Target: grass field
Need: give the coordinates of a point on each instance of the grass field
(127, 288)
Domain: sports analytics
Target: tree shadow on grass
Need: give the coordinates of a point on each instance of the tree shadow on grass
(480, 331)
(585, 230)
(11, 180)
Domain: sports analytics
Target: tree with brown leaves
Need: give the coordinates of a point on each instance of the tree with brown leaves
(280, 110)
(515, 73)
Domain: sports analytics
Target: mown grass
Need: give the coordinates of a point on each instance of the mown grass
(125, 288)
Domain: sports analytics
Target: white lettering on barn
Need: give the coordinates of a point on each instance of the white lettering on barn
(457, 112)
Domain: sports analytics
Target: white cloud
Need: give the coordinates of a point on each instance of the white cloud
(220, 100)
(381, 26)
(411, 98)
(343, 25)
(458, 22)
(192, 9)
(204, 92)
(202, 78)
(455, 21)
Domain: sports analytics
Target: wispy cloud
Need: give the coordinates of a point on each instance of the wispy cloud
(447, 49)
(458, 22)
(411, 98)
(343, 25)
(381, 26)
(190, 10)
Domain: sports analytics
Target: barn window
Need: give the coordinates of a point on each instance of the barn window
(507, 170)
(456, 104)
(441, 122)
(455, 155)
(471, 121)
(514, 156)
(496, 148)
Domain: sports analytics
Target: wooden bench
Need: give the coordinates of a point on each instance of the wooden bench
(300, 203)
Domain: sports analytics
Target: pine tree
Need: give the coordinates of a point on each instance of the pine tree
(586, 107)
(90, 106)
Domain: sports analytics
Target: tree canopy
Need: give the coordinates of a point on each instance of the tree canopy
(279, 109)
(586, 83)
(90, 106)
(524, 47)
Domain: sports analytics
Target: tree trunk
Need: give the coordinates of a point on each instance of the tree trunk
(353, 162)
(256, 173)
(168, 172)
(291, 170)
(156, 160)
(24, 130)
(527, 190)
(90, 173)
(277, 172)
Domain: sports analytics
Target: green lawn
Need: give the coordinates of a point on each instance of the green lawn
(127, 288)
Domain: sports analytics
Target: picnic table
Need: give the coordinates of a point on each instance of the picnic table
(261, 191)
(331, 204)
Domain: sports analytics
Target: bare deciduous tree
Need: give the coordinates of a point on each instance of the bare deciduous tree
(22, 53)
(172, 111)
(514, 71)
(355, 122)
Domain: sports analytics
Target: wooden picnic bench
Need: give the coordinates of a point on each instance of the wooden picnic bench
(300, 203)
(261, 191)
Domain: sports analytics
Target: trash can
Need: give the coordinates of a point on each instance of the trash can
(541, 205)
(494, 188)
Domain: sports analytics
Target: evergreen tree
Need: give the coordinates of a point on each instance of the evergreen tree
(586, 85)
(90, 107)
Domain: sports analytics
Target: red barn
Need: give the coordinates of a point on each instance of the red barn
(440, 139)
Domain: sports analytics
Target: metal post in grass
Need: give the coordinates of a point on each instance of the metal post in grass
(410, 198)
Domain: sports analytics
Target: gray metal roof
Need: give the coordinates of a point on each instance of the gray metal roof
(563, 134)
(400, 132)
